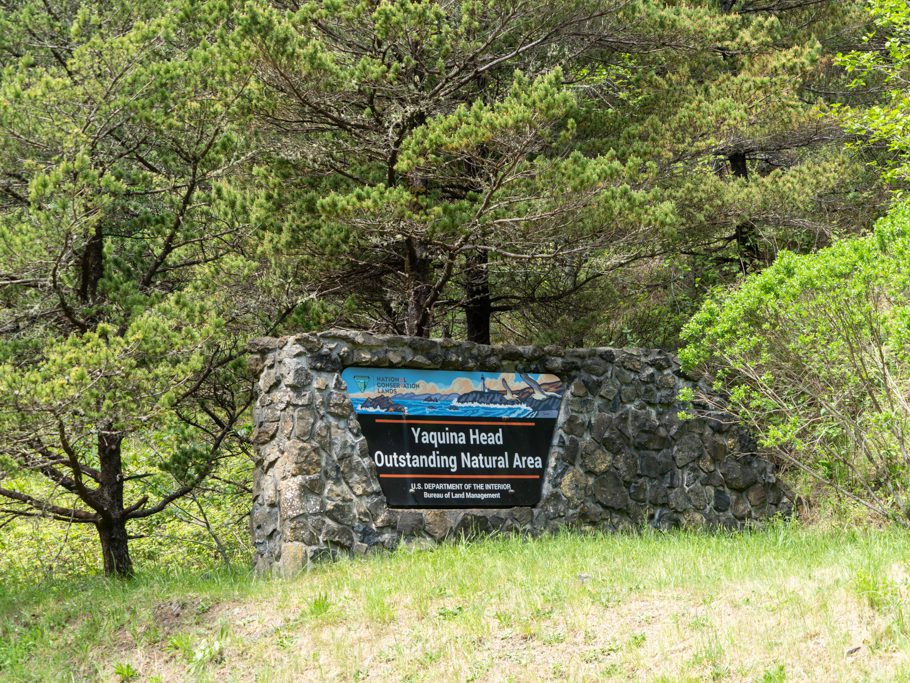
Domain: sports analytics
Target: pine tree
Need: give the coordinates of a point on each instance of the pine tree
(428, 153)
(125, 266)
(576, 172)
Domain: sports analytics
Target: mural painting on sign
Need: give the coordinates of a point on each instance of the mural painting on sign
(450, 439)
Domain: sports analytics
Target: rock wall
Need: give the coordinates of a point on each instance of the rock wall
(622, 457)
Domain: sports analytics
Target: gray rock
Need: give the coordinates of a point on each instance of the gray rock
(609, 490)
(325, 362)
(570, 452)
(721, 500)
(410, 522)
(600, 425)
(667, 381)
(630, 361)
(523, 516)
(717, 448)
(654, 465)
(641, 421)
(678, 500)
(267, 380)
(296, 375)
(438, 523)
(629, 393)
(688, 449)
(554, 505)
(343, 513)
(304, 419)
(609, 389)
(756, 495)
(573, 486)
(575, 425)
(337, 533)
(294, 558)
(623, 376)
(595, 458)
(387, 518)
(302, 458)
(300, 530)
(578, 388)
(692, 519)
(359, 477)
(595, 366)
(472, 524)
(339, 405)
(264, 433)
(698, 497)
(737, 476)
(740, 507)
(313, 483)
(657, 494)
(638, 490)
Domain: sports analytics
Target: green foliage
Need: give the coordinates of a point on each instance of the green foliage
(744, 147)
(177, 176)
(125, 672)
(319, 606)
(572, 192)
(459, 187)
(129, 260)
(813, 353)
(882, 63)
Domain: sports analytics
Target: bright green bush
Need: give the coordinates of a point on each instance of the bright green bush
(814, 354)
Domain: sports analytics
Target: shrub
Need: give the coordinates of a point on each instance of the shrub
(813, 355)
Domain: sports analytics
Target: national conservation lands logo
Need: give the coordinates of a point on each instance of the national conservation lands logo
(443, 438)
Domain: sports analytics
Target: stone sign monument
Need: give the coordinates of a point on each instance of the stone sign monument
(366, 441)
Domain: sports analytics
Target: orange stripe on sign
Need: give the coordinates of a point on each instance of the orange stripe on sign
(459, 476)
(456, 422)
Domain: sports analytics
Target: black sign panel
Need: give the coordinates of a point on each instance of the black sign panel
(455, 439)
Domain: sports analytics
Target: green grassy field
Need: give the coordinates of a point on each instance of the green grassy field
(784, 603)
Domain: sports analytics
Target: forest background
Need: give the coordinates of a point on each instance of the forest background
(177, 177)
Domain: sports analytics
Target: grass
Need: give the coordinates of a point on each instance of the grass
(785, 603)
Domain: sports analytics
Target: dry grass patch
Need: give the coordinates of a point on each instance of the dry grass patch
(783, 604)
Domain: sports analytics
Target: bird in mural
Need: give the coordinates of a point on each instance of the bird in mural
(509, 395)
(539, 394)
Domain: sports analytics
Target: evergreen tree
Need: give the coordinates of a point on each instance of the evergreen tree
(736, 115)
(126, 272)
(427, 153)
(576, 172)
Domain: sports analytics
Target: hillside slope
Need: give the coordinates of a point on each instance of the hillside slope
(780, 604)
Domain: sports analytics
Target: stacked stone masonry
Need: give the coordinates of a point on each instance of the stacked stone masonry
(621, 458)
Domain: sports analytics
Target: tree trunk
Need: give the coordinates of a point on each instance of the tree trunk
(112, 525)
(477, 306)
(115, 547)
(744, 232)
(91, 266)
(418, 270)
(738, 166)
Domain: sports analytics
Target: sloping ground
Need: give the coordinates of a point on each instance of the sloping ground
(784, 603)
